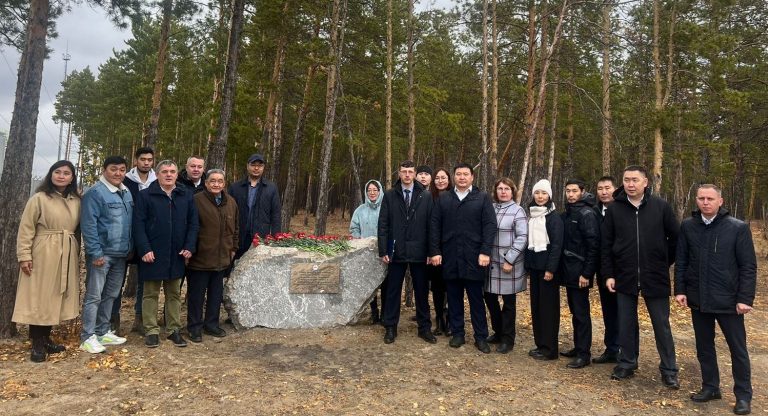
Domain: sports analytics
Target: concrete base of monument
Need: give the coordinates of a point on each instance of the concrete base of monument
(278, 287)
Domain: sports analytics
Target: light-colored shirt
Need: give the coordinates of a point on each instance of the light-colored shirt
(464, 194)
(110, 187)
(404, 188)
(707, 221)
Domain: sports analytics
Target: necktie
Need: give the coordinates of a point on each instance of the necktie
(407, 198)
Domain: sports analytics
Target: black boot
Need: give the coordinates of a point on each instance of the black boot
(114, 324)
(52, 347)
(38, 354)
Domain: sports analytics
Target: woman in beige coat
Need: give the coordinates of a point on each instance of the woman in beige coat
(48, 249)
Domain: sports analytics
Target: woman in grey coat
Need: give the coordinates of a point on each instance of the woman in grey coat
(507, 274)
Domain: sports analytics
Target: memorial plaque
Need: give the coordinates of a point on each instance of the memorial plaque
(315, 278)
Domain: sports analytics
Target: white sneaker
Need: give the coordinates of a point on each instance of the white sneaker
(92, 345)
(110, 338)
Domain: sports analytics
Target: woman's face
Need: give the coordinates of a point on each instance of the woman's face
(503, 192)
(540, 197)
(372, 192)
(441, 180)
(61, 177)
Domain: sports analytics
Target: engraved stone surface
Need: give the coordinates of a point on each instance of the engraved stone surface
(258, 291)
(315, 278)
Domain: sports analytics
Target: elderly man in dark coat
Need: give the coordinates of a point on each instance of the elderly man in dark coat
(165, 227)
(716, 275)
(462, 233)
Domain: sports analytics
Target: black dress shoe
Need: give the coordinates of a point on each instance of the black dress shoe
(215, 332)
(670, 381)
(534, 351)
(456, 341)
(742, 407)
(706, 395)
(493, 339)
(541, 357)
(606, 357)
(578, 362)
(570, 353)
(152, 341)
(195, 336)
(37, 355)
(503, 348)
(483, 346)
(427, 336)
(177, 339)
(389, 335)
(53, 348)
(620, 373)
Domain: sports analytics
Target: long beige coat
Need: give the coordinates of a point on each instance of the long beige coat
(47, 237)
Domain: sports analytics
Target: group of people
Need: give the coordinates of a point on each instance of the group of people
(455, 241)
(171, 224)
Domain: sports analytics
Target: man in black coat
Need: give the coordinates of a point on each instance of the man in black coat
(581, 244)
(462, 233)
(639, 235)
(193, 174)
(258, 203)
(605, 188)
(715, 275)
(403, 239)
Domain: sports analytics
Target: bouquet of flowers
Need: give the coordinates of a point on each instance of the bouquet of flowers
(324, 244)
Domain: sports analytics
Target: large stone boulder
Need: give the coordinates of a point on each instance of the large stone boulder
(280, 287)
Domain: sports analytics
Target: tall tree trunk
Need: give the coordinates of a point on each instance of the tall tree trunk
(662, 97)
(308, 201)
(220, 31)
(484, 93)
(737, 152)
(272, 119)
(571, 133)
(530, 93)
(358, 184)
(494, 133)
(680, 192)
(217, 150)
(411, 87)
(553, 127)
(540, 100)
(606, 78)
(21, 150)
(331, 93)
(539, 167)
(752, 194)
(388, 116)
(159, 86)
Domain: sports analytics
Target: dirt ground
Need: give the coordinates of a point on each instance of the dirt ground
(349, 370)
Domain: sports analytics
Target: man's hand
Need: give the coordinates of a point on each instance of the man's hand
(26, 267)
(385, 259)
(483, 260)
(548, 276)
(99, 262)
(186, 254)
(682, 300)
(743, 308)
(583, 282)
(436, 260)
(610, 284)
(149, 257)
(506, 267)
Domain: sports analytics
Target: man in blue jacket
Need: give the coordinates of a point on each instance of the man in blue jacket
(107, 211)
(165, 226)
(715, 276)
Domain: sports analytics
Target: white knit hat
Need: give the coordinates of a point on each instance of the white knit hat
(543, 185)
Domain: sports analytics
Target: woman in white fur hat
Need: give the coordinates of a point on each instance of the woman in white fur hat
(542, 257)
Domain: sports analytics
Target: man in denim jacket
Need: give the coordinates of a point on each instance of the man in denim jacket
(106, 215)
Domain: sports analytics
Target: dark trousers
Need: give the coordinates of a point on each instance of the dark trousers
(578, 304)
(732, 326)
(39, 331)
(204, 288)
(394, 294)
(455, 289)
(375, 302)
(610, 319)
(502, 318)
(437, 287)
(629, 332)
(545, 313)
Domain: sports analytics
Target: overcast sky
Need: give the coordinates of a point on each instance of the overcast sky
(91, 40)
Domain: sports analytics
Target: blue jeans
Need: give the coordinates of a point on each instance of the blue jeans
(102, 285)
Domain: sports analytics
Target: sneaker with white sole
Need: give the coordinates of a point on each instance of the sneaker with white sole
(110, 338)
(92, 345)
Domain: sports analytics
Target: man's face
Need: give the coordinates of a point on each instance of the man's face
(372, 192)
(406, 175)
(424, 178)
(145, 162)
(214, 183)
(255, 170)
(573, 193)
(167, 175)
(195, 168)
(463, 178)
(114, 174)
(708, 201)
(605, 191)
(635, 183)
